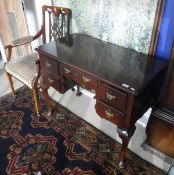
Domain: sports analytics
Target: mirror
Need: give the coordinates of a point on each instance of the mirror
(132, 24)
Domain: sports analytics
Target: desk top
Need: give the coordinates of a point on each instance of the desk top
(110, 62)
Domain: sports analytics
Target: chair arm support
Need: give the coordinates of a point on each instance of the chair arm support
(41, 32)
(37, 75)
(37, 62)
(9, 51)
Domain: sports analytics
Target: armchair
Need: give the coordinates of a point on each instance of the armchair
(27, 68)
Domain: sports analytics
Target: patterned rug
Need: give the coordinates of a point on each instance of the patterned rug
(63, 144)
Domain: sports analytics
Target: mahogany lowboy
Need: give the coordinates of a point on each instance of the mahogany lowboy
(125, 82)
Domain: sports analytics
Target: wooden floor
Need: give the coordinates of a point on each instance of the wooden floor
(161, 136)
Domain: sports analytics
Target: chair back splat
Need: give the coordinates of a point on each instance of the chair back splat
(55, 22)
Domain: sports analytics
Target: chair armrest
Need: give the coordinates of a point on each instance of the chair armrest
(16, 43)
(28, 39)
(22, 41)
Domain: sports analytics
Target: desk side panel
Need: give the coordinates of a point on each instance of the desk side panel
(148, 97)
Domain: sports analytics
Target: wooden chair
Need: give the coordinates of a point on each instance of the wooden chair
(27, 68)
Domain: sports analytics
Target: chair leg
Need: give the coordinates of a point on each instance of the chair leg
(11, 83)
(47, 98)
(36, 99)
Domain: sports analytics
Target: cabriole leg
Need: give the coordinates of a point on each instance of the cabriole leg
(125, 136)
(47, 98)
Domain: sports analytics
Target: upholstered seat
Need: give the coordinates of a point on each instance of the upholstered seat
(23, 68)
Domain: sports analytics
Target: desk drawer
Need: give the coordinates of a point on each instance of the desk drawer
(66, 71)
(49, 65)
(85, 80)
(111, 96)
(51, 80)
(107, 112)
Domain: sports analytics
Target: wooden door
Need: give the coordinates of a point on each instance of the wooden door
(13, 25)
(160, 129)
(168, 99)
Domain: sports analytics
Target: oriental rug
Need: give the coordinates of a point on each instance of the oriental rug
(62, 144)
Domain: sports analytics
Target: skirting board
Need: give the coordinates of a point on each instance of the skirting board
(157, 153)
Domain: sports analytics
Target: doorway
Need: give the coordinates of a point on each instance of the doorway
(13, 25)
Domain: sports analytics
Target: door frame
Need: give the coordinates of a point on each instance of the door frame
(2, 51)
(6, 33)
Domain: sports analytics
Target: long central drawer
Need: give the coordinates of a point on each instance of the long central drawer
(85, 80)
(79, 77)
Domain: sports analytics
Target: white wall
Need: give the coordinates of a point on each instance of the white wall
(33, 10)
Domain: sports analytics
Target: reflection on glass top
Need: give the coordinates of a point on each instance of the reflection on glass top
(113, 63)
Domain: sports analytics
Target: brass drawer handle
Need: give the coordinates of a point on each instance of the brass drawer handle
(108, 114)
(109, 96)
(86, 79)
(48, 65)
(93, 90)
(67, 71)
(50, 80)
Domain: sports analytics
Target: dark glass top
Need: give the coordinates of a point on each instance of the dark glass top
(110, 62)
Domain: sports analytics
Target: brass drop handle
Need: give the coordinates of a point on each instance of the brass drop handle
(48, 65)
(108, 114)
(86, 79)
(109, 96)
(50, 80)
(67, 71)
